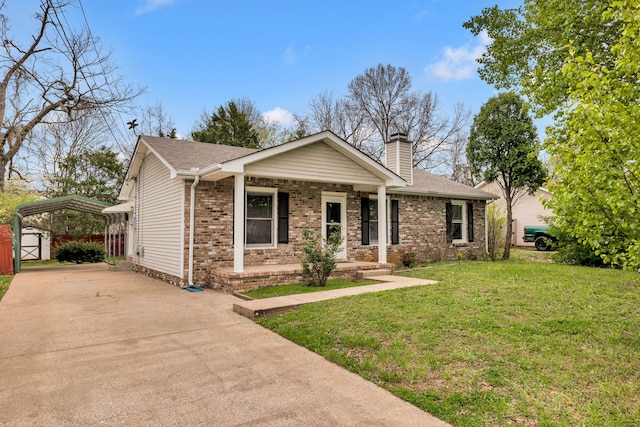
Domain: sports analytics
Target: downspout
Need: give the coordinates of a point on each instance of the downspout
(192, 215)
(486, 230)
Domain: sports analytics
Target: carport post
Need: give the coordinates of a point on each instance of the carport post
(17, 233)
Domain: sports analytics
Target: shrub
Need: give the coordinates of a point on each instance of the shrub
(496, 220)
(80, 252)
(570, 251)
(318, 256)
(409, 259)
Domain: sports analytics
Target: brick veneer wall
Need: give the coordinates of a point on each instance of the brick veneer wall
(422, 226)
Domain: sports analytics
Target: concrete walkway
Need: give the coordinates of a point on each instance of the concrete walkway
(267, 306)
(83, 346)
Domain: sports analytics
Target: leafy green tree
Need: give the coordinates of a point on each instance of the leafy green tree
(13, 195)
(97, 174)
(503, 147)
(530, 44)
(229, 125)
(596, 195)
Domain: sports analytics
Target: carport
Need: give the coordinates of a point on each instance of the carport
(115, 222)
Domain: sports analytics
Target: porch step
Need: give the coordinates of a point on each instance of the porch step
(370, 273)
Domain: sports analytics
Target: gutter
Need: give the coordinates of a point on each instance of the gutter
(462, 196)
(192, 215)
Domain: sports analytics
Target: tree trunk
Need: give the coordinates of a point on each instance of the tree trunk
(3, 171)
(507, 240)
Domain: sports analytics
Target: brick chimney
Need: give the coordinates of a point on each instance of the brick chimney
(399, 156)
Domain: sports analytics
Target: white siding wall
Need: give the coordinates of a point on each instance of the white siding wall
(526, 211)
(312, 163)
(158, 239)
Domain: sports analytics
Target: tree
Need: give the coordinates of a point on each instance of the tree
(13, 196)
(157, 122)
(597, 193)
(229, 125)
(345, 119)
(97, 174)
(530, 44)
(503, 147)
(58, 71)
(383, 95)
(60, 137)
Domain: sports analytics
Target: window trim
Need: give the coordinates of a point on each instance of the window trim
(273, 192)
(463, 222)
(374, 198)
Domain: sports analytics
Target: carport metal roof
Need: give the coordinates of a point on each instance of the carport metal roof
(77, 203)
(73, 202)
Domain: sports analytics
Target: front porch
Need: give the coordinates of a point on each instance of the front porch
(226, 280)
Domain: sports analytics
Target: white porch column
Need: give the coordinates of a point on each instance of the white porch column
(382, 224)
(238, 224)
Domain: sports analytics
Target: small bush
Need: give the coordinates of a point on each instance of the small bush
(496, 220)
(80, 252)
(409, 259)
(318, 257)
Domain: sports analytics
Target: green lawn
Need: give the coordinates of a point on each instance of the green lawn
(303, 288)
(496, 344)
(5, 281)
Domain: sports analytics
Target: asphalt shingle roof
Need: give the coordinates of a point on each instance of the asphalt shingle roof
(438, 185)
(184, 155)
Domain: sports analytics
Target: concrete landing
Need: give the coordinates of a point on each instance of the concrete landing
(267, 306)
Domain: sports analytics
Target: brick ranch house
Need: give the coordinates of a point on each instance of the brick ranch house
(208, 214)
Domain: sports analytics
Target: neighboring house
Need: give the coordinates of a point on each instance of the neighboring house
(527, 210)
(203, 213)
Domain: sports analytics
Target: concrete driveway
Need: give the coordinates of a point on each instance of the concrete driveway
(82, 345)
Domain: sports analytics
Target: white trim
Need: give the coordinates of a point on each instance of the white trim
(329, 138)
(274, 216)
(464, 223)
(238, 224)
(329, 196)
(382, 224)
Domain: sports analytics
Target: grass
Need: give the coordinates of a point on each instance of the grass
(5, 281)
(302, 288)
(27, 264)
(495, 344)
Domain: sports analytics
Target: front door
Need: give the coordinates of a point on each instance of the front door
(334, 209)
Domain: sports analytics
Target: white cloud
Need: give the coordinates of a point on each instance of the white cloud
(459, 63)
(292, 55)
(278, 115)
(151, 5)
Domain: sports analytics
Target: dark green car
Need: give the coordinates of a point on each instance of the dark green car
(539, 235)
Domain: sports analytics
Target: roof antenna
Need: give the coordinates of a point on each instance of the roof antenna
(132, 125)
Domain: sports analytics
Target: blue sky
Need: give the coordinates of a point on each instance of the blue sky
(198, 54)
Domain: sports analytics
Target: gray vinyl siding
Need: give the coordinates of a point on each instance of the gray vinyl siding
(160, 220)
(315, 162)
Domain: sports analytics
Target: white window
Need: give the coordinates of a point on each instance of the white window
(260, 211)
(373, 221)
(458, 221)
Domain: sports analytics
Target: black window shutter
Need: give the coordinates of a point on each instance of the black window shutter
(395, 222)
(364, 213)
(449, 224)
(470, 222)
(283, 217)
